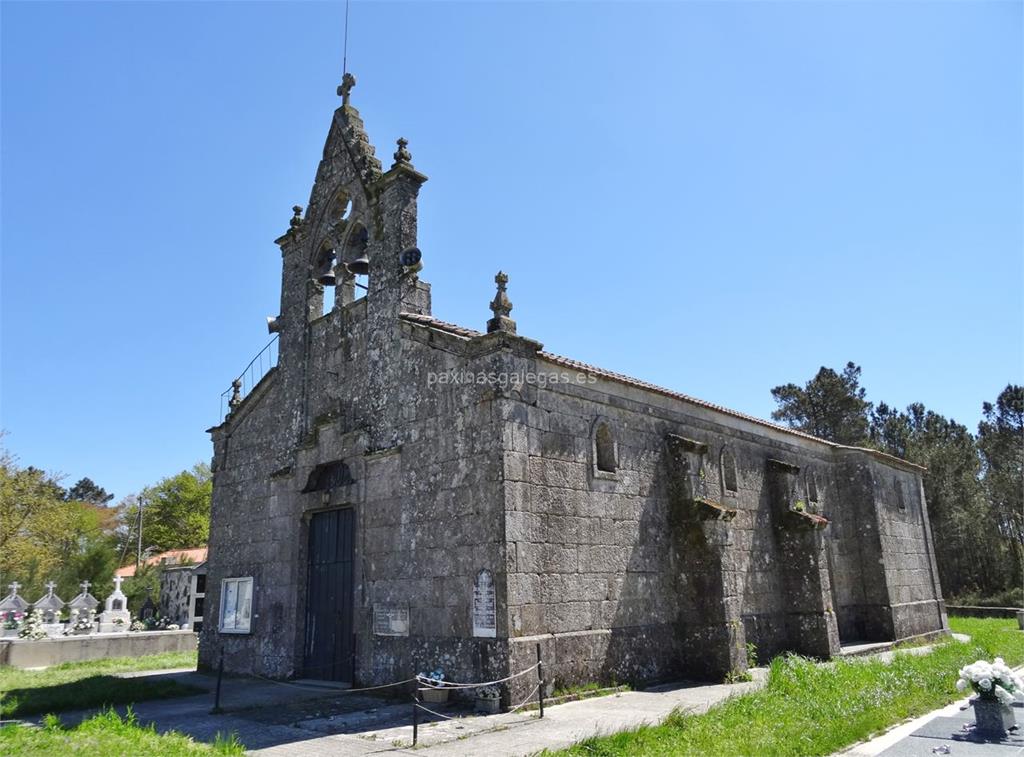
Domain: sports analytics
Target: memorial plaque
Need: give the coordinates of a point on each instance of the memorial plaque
(484, 609)
(389, 620)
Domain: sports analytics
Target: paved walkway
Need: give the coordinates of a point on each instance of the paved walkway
(946, 731)
(275, 719)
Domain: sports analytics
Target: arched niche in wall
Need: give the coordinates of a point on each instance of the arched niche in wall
(727, 469)
(604, 449)
(812, 486)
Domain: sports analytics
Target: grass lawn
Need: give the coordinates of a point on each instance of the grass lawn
(106, 734)
(77, 685)
(813, 709)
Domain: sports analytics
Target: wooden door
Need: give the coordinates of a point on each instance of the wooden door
(328, 647)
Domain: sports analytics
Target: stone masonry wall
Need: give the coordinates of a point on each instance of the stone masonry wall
(906, 545)
(429, 512)
(603, 576)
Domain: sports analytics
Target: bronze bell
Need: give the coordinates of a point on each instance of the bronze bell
(327, 278)
(360, 266)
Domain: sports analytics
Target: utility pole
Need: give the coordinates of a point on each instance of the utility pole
(138, 554)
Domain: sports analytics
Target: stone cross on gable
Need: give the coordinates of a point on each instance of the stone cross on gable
(85, 586)
(14, 587)
(117, 583)
(51, 586)
(345, 88)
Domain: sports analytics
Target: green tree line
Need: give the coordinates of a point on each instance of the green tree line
(974, 483)
(74, 534)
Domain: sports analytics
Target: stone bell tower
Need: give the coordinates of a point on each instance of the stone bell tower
(360, 223)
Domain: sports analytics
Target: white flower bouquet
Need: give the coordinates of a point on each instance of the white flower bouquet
(32, 628)
(991, 680)
(81, 622)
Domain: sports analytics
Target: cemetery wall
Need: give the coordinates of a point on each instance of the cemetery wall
(40, 653)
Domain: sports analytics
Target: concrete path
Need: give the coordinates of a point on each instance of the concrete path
(945, 731)
(276, 719)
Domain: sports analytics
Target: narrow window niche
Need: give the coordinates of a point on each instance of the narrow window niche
(730, 484)
(812, 487)
(901, 503)
(341, 208)
(606, 450)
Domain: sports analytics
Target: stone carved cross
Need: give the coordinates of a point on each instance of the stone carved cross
(51, 586)
(345, 88)
(85, 586)
(14, 587)
(117, 583)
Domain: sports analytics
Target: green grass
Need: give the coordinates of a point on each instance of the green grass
(813, 709)
(77, 685)
(106, 734)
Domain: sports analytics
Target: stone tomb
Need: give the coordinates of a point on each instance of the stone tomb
(115, 616)
(12, 603)
(83, 605)
(148, 609)
(51, 607)
(10, 607)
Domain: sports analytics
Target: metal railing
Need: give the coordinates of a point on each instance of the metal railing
(251, 375)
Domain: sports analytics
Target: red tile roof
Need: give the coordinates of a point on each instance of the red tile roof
(171, 557)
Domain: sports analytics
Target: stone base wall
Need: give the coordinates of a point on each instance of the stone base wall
(42, 653)
(382, 660)
(916, 618)
(606, 656)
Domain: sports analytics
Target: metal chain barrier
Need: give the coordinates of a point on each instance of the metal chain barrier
(438, 714)
(313, 687)
(525, 701)
(425, 684)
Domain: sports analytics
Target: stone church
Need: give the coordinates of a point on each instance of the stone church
(401, 494)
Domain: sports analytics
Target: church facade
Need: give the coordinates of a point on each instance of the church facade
(401, 494)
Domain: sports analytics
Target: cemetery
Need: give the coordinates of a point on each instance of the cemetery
(51, 632)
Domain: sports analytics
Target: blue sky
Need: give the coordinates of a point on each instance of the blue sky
(715, 197)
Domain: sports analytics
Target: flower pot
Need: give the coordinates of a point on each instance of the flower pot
(488, 705)
(991, 717)
(435, 696)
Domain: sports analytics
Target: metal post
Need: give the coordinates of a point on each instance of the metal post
(415, 713)
(540, 681)
(216, 697)
(138, 554)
